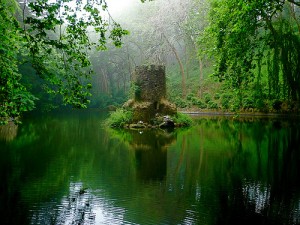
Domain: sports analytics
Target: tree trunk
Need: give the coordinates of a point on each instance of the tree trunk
(104, 82)
(187, 62)
(292, 11)
(201, 77)
(183, 82)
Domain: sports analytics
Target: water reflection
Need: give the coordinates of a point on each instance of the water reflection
(8, 132)
(70, 170)
(247, 170)
(80, 206)
(257, 195)
(150, 151)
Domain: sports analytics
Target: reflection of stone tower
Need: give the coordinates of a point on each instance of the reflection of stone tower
(150, 148)
(150, 94)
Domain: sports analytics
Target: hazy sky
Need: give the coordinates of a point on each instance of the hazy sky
(115, 6)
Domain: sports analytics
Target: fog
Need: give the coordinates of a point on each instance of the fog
(158, 33)
(116, 7)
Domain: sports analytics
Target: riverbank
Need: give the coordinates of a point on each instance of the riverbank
(194, 111)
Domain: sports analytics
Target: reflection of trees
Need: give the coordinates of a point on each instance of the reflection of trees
(272, 200)
(8, 132)
(284, 157)
(239, 172)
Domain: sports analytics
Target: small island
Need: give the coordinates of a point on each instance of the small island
(149, 107)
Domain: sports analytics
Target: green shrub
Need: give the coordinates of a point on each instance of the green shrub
(194, 100)
(190, 96)
(235, 106)
(260, 104)
(268, 105)
(179, 102)
(119, 118)
(207, 97)
(183, 119)
(197, 102)
(248, 102)
(225, 101)
(217, 96)
(201, 104)
(212, 105)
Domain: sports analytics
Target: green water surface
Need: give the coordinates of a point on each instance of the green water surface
(69, 169)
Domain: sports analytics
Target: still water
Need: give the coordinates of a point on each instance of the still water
(70, 169)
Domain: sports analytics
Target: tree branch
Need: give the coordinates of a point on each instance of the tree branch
(294, 2)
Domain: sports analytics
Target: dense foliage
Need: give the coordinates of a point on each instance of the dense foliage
(256, 47)
(14, 98)
(54, 38)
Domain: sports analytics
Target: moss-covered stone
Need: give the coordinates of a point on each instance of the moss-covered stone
(146, 111)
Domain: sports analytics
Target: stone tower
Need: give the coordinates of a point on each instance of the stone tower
(150, 94)
(151, 82)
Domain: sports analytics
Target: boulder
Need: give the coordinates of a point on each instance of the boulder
(167, 123)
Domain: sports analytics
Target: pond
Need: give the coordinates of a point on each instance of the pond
(69, 169)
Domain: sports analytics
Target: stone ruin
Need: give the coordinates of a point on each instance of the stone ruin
(151, 81)
(149, 84)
